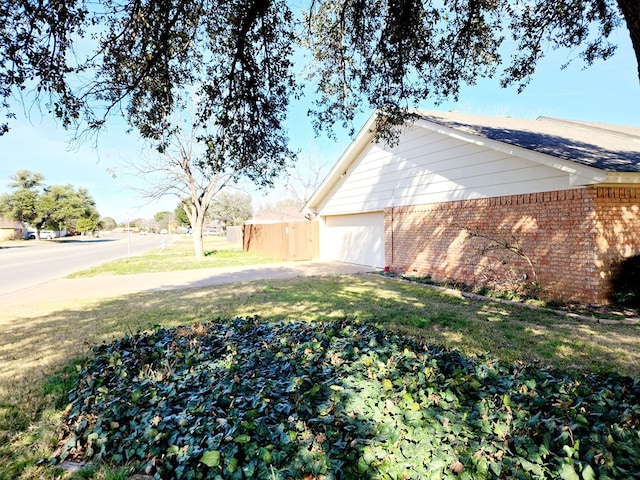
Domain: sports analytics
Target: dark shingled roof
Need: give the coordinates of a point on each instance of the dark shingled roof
(612, 148)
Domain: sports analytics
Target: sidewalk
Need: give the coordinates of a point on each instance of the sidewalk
(109, 286)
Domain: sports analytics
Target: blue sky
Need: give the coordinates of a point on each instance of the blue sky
(605, 92)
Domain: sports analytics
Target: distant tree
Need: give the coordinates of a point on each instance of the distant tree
(132, 222)
(138, 222)
(282, 210)
(21, 203)
(87, 225)
(107, 223)
(59, 205)
(56, 207)
(232, 208)
(163, 219)
(301, 181)
(180, 213)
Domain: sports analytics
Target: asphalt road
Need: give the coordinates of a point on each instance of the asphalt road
(29, 263)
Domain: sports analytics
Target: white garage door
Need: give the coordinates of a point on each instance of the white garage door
(355, 239)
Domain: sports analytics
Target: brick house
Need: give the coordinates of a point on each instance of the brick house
(491, 201)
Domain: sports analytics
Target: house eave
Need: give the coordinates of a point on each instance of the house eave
(364, 137)
(622, 178)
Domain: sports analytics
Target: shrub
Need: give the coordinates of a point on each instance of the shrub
(250, 399)
(626, 282)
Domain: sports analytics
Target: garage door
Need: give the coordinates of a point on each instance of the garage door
(355, 239)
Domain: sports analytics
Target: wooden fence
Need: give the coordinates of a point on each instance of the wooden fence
(287, 241)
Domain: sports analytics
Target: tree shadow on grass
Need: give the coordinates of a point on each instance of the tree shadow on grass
(42, 342)
(35, 346)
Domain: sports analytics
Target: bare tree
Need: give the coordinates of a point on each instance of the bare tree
(232, 208)
(297, 186)
(181, 170)
(306, 177)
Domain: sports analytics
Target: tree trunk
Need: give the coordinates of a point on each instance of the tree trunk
(196, 217)
(631, 11)
(196, 232)
(198, 244)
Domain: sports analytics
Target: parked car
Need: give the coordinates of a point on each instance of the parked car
(48, 234)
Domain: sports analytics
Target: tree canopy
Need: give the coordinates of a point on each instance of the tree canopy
(145, 59)
(55, 206)
(231, 208)
(21, 204)
(60, 206)
(107, 223)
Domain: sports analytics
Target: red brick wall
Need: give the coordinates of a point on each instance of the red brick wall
(617, 225)
(571, 237)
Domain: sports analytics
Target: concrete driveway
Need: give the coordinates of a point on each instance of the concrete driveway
(109, 286)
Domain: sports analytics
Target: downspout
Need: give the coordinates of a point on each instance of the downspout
(392, 228)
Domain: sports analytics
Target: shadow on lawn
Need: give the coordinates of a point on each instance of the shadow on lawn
(45, 343)
(484, 327)
(33, 347)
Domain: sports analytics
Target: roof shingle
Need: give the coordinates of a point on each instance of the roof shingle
(612, 148)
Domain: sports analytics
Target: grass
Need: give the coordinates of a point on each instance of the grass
(179, 256)
(41, 343)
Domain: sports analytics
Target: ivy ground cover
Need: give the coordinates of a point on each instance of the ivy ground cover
(341, 400)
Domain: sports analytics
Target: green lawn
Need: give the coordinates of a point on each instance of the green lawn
(179, 256)
(41, 344)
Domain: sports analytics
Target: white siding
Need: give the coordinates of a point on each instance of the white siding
(355, 239)
(429, 167)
